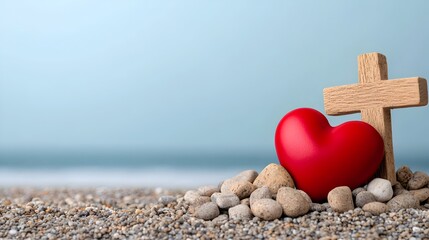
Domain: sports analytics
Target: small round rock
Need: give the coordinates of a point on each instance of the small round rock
(340, 199)
(242, 188)
(363, 198)
(260, 193)
(207, 211)
(418, 181)
(376, 208)
(240, 211)
(305, 195)
(274, 176)
(403, 201)
(293, 202)
(398, 189)
(191, 196)
(381, 189)
(225, 200)
(245, 201)
(356, 191)
(267, 209)
(201, 200)
(247, 175)
(403, 175)
(6, 202)
(226, 185)
(421, 194)
(207, 190)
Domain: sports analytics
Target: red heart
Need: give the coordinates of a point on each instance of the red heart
(320, 157)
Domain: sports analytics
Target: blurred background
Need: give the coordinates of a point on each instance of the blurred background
(181, 93)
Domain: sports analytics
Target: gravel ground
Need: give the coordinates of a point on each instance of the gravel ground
(138, 213)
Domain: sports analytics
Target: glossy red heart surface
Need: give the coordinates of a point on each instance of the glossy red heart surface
(320, 157)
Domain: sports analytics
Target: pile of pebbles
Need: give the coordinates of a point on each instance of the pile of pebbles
(140, 213)
(272, 194)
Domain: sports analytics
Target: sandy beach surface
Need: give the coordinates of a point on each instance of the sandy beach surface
(107, 213)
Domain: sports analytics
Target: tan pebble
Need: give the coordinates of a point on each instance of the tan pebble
(242, 188)
(245, 201)
(267, 209)
(208, 190)
(274, 176)
(207, 211)
(248, 175)
(418, 181)
(376, 208)
(340, 199)
(421, 194)
(403, 175)
(7, 202)
(191, 196)
(403, 201)
(226, 185)
(293, 202)
(192, 209)
(240, 211)
(305, 195)
(198, 202)
(28, 208)
(260, 193)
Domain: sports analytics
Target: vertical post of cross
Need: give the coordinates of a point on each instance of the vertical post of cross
(372, 67)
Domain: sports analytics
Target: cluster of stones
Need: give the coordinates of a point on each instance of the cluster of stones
(272, 194)
(379, 196)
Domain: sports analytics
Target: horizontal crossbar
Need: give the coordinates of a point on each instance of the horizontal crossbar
(395, 93)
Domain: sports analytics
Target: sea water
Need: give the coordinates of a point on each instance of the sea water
(166, 169)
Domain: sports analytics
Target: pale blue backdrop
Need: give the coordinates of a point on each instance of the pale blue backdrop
(193, 76)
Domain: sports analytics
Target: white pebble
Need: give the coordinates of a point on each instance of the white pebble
(381, 189)
(13, 232)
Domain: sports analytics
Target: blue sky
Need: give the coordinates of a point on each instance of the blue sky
(193, 75)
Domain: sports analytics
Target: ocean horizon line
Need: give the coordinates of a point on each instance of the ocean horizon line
(150, 177)
(144, 159)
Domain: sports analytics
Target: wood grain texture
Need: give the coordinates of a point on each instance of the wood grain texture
(372, 67)
(380, 119)
(374, 96)
(397, 93)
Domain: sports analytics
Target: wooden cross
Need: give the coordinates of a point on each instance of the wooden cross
(374, 98)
